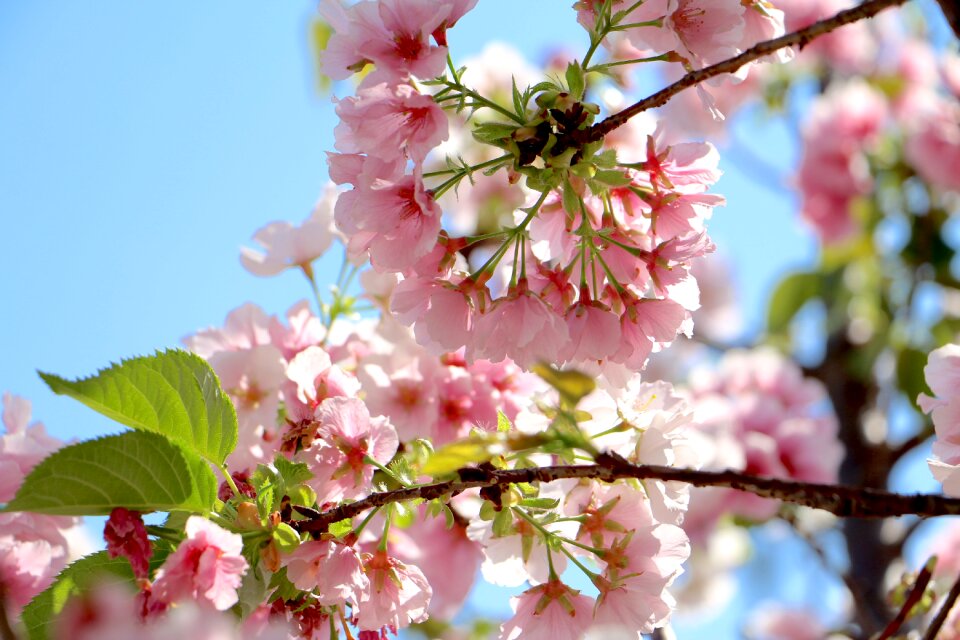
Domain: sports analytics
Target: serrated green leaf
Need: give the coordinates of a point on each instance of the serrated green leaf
(788, 298)
(282, 587)
(575, 80)
(267, 500)
(518, 103)
(41, 613)
(174, 393)
(455, 455)
(490, 132)
(137, 470)
(613, 177)
(572, 385)
(292, 473)
(503, 422)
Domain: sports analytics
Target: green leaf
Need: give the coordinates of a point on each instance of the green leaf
(519, 105)
(292, 473)
(489, 132)
(137, 470)
(503, 523)
(455, 455)
(286, 537)
(341, 528)
(575, 81)
(503, 422)
(543, 504)
(302, 495)
(613, 177)
(572, 385)
(40, 614)
(174, 393)
(788, 298)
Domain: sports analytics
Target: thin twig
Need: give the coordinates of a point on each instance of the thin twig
(916, 593)
(944, 611)
(798, 38)
(839, 500)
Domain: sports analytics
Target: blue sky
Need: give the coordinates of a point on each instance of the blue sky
(141, 144)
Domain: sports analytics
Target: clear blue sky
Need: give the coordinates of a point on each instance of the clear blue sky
(142, 143)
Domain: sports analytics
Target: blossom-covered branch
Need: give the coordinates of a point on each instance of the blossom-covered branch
(839, 500)
(798, 38)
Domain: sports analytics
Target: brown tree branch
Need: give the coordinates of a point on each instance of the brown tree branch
(798, 38)
(839, 500)
(944, 611)
(951, 11)
(916, 593)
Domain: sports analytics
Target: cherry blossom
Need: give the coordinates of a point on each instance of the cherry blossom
(347, 435)
(551, 611)
(398, 594)
(287, 246)
(330, 569)
(206, 567)
(382, 120)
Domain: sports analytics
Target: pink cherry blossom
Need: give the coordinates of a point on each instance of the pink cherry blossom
(434, 548)
(765, 417)
(331, 570)
(520, 326)
(443, 312)
(315, 378)
(22, 446)
(398, 594)
(551, 611)
(346, 436)
(288, 246)
(392, 34)
(933, 142)
(833, 169)
(126, 536)
(386, 120)
(246, 326)
(33, 549)
(390, 215)
(594, 332)
(207, 567)
(941, 373)
(253, 378)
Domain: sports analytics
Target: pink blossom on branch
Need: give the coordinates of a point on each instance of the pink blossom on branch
(550, 611)
(384, 120)
(206, 568)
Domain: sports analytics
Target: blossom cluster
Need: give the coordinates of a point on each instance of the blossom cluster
(33, 547)
(503, 239)
(760, 415)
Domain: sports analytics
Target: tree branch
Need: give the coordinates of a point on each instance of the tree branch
(915, 595)
(839, 500)
(798, 38)
(944, 611)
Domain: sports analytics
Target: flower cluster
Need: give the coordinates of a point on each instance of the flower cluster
(758, 413)
(33, 547)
